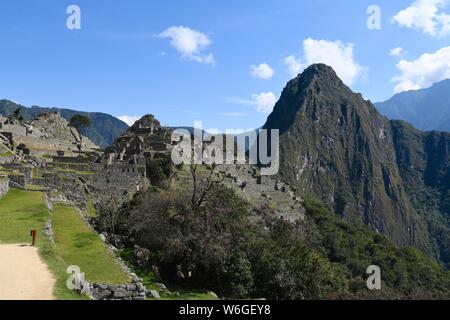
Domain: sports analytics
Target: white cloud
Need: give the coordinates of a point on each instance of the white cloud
(189, 43)
(336, 54)
(398, 52)
(264, 101)
(263, 71)
(426, 16)
(295, 66)
(129, 120)
(421, 73)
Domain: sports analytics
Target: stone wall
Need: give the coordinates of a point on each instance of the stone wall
(72, 159)
(17, 181)
(120, 180)
(71, 166)
(68, 184)
(4, 186)
(7, 159)
(132, 291)
(25, 171)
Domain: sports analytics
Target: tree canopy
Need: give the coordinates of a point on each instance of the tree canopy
(79, 122)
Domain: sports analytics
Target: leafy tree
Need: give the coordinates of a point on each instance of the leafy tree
(160, 171)
(16, 115)
(80, 122)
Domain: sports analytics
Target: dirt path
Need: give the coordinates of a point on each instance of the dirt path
(23, 275)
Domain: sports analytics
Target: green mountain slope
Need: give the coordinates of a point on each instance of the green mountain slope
(336, 146)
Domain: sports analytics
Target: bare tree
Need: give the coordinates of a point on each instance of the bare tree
(202, 186)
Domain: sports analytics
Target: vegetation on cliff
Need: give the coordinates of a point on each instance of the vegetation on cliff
(335, 146)
(239, 251)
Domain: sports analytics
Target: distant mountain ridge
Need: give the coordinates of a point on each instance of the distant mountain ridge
(103, 131)
(426, 109)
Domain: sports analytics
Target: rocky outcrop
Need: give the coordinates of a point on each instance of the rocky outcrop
(103, 131)
(48, 134)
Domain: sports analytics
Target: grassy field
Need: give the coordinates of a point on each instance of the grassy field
(33, 187)
(78, 245)
(75, 243)
(21, 212)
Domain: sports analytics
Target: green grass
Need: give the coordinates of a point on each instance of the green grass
(78, 245)
(90, 211)
(33, 187)
(7, 172)
(6, 154)
(186, 294)
(37, 174)
(21, 212)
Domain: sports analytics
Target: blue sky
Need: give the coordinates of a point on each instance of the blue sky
(222, 62)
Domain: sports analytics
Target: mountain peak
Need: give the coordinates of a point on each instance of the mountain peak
(319, 69)
(334, 144)
(316, 90)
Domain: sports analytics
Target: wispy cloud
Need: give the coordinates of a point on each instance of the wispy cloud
(238, 100)
(124, 36)
(233, 114)
(398, 52)
(264, 101)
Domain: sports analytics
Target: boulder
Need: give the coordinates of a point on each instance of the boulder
(154, 294)
(100, 294)
(121, 293)
(161, 287)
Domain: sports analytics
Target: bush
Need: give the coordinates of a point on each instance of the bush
(216, 246)
(159, 170)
